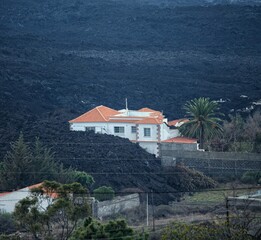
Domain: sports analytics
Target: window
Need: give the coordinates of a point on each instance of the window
(146, 132)
(133, 129)
(90, 129)
(118, 129)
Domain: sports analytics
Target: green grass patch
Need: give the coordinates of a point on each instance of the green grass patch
(216, 196)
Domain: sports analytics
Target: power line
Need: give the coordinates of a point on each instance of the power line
(108, 173)
(157, 192)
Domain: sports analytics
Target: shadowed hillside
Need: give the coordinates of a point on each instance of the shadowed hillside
(59, 59)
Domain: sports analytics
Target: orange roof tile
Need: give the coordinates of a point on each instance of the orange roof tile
(98, 114)
(35, 185)
(181, 140)
(105, 114)
(174, 122)
(4, 193)
(154, 112)
(146, 110)
(150, 121)
(52, 195)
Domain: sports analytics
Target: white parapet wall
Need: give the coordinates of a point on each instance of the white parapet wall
(117, 205)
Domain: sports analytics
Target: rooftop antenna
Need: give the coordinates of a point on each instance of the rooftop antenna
(126, 101)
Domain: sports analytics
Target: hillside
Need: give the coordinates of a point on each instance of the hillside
(60, 58)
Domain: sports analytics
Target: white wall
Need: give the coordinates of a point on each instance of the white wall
(99, 127)
(153, 131)
(106, 128)
(167, 133)
(150, 147)
(8, 201)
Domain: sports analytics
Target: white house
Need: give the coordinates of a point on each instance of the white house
(144, 126)
(8, 200)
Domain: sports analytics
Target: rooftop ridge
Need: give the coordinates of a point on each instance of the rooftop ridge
(101, 113)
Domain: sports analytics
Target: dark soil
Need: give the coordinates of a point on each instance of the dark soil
(59, 59)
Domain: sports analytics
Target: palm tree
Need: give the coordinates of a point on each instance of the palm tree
(203, 122)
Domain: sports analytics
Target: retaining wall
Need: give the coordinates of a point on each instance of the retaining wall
(210, 162)
(115, 206)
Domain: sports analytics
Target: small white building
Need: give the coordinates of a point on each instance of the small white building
(8, 200)
(144, 126)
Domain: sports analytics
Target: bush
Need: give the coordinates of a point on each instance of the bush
(83, 178)
(251, 177)
(104, 193)
(117, 229)
(163, 211)
(9, 237)
(7, 224)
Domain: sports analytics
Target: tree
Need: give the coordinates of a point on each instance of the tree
(104, 193)
(53, 210)
(117, 229)
(203, 122)
(38, 163)
(83, 178)
(7, 224)
(16, 166)
(239, 134)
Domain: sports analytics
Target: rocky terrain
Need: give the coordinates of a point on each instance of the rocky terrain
(60, 58)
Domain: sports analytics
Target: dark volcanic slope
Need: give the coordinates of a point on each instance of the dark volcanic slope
(79, 54)
(61, 58)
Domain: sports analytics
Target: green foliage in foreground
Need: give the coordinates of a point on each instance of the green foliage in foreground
(83, 178)
(104, 193)
(24, 166)
(61, 213)
(251, 177)
(7, 224)
(184, 231)
(117, 229)
(9, 237)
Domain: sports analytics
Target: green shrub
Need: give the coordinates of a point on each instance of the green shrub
(251, 177)
(7, 224)
(104, 193)
(83, 178)
(117, 229)
(163, 211)
(9, 237)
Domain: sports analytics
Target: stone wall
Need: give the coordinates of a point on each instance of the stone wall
(210, 162)
(115, 206)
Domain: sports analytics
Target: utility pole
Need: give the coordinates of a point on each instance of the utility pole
(147, 209)
(227, 215)
(153, 218)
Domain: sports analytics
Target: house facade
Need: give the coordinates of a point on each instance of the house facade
(8, 200)
(145, 126)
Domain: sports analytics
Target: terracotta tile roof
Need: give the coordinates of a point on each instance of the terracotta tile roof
(176, 121)
(35, 186)
(181, 140)
(105, 114)
(147, 110)
(52, 195)
(150, 121)
(153, 112)
(98, 114)
(4, 193)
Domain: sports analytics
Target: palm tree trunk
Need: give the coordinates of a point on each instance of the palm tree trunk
(201, 137)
